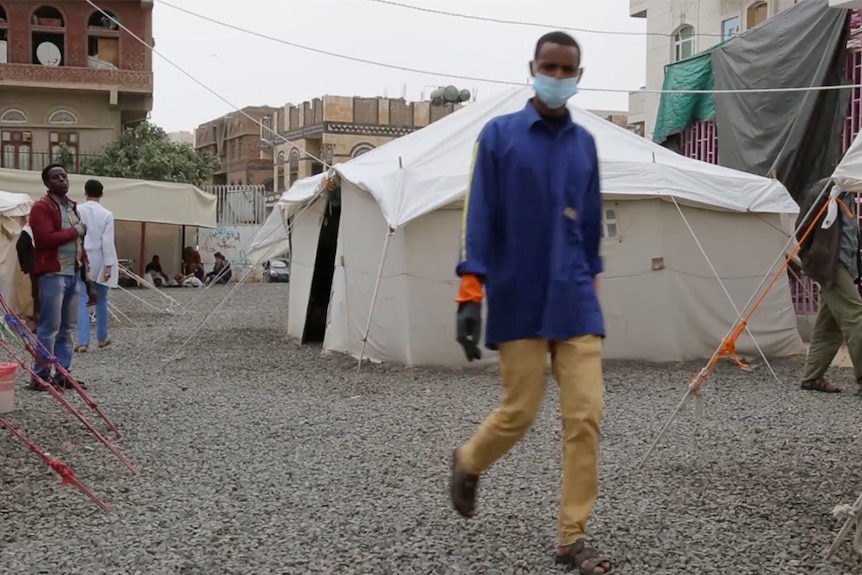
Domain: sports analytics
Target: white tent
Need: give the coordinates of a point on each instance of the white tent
(14, 285)
(848, 174)
(399, 233)
(130, 200)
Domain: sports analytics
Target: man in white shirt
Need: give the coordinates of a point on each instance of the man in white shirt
(104, 269)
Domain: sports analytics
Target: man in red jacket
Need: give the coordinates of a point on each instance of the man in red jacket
(58, 261)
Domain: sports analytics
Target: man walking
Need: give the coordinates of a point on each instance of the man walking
(58, 262)
(102, 254)
(831, 258)
(532, 229)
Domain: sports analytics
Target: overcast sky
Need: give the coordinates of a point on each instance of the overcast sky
(246, 70)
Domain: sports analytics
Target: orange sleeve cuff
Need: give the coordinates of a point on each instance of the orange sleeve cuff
(471, 289)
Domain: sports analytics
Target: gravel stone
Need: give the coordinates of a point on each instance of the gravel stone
(260, 456)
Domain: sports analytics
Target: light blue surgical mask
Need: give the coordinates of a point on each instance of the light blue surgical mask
(555, 92)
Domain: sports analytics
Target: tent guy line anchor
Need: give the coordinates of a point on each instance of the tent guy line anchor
(726, 292)
(853, 514)
(727, 346)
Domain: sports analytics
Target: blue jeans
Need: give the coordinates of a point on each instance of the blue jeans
(84, 313)
(57, 318)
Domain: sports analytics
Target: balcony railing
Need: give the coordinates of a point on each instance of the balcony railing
(88, 78)
(22, 159)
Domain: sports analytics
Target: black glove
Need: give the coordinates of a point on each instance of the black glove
(469, 320)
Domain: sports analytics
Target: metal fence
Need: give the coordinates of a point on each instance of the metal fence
(239, 205)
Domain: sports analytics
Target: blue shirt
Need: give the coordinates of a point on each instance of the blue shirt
(532, 226)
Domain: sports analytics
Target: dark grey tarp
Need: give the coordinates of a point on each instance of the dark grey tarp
(793, 136)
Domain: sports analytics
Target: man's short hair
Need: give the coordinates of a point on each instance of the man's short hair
(93, 189)
(557, 37)
(47, 169)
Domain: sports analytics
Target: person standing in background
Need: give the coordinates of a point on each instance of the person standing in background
(59, 260)
(102, 253)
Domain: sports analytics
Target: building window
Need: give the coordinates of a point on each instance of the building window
(280, 172)
(13, 116)
(64, 144)
(17, 150)
(683, 43)
(103, 41)
(360, 149)
(4, 35)
(757, 14)
(730, 28)
(63, 117)
(294, 168)
(610, 230)
(48, 35)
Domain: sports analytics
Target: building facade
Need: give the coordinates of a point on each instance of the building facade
(182, 137)
(70, 76)
(679, 29)
(337, 128)
(240, 144)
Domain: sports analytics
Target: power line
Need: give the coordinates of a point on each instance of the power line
(527, 24)
(204, 86)
(488, 80)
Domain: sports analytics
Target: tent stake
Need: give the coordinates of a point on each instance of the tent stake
(386, 241)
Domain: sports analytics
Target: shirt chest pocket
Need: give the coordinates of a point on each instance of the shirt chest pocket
(575, 187)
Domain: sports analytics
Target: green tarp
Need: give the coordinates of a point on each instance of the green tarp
(676, 112)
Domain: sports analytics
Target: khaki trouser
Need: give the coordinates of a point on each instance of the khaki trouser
(577, 367)
(839, 320)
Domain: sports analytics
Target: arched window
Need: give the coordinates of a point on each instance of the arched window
(756, 14)
(48, 37)
(63, 117)
(3, 26)
(103, 40)
(13, 116)
(683, 43)
(360, 149)
(294, 167)
(280, 172)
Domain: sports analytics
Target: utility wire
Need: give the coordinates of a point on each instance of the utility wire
(488, 80)
(204, 86)
(528, 24)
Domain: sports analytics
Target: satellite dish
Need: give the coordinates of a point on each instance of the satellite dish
(437, 97)
(464, 95)
(49, 54)
(450, 94)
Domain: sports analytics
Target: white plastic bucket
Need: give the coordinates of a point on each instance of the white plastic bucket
(8, 371)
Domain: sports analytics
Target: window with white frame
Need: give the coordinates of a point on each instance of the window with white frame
(683, 43)
(610, 229)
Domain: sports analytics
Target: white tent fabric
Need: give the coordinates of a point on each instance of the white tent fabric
(14, 285)
(273, 237)
(418, 173)
(848, 174)
(129, 200)
(661, 299)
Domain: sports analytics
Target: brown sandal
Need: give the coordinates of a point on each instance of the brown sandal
(462, 489)
(82, 349)
(820, 385)
(104, 344)
(587, 559)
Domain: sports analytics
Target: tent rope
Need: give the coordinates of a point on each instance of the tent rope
(728, 344)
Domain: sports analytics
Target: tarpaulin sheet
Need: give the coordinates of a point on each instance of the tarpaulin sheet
(793, 136)
(676, 112)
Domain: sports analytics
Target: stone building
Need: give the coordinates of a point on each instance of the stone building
(337, 128)
(69, 75)
(241, 146)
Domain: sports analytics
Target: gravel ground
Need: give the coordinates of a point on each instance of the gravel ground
(255, 459)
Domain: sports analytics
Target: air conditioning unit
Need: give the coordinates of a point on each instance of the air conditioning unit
(846, 4)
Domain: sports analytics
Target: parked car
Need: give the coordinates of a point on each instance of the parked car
(276, 270)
